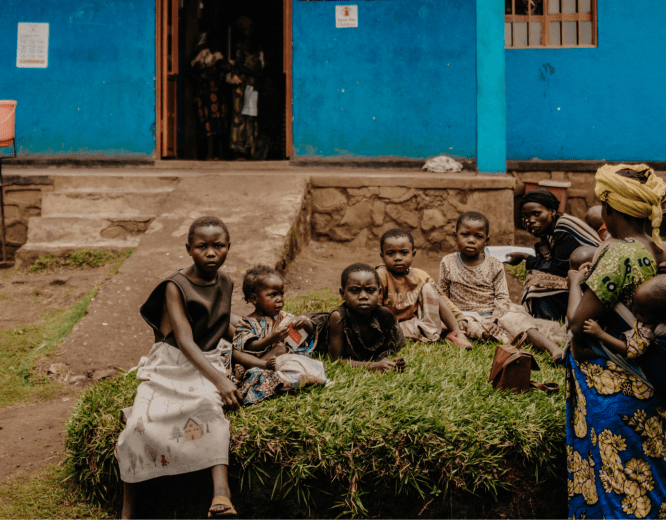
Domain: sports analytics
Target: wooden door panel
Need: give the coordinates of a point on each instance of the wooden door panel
(167, 69)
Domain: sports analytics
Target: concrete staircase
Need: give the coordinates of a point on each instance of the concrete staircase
(94, 212)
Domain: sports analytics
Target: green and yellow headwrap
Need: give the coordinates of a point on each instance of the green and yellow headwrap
(630, 197)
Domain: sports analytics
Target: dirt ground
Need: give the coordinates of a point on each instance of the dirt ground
(32, 433)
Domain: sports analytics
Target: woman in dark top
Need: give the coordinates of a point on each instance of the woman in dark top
(546, 292)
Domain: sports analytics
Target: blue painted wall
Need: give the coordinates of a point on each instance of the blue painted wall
(401, 84)
(97, 96)
(604, 103)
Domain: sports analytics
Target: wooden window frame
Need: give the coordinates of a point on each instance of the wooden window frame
(545, 19)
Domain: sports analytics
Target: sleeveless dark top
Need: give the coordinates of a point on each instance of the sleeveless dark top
(207, 307)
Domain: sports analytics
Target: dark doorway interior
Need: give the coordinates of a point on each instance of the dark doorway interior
(219, 20)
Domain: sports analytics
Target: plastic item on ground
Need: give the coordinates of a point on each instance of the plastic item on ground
(441, 164)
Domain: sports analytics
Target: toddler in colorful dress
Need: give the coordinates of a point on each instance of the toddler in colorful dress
(271, 347)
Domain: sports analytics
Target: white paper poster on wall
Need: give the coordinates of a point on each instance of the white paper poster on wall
(346, 16)
(32, 47)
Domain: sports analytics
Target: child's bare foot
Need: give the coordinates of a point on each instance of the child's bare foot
(239, 371)
(271, 363)
(459, 339)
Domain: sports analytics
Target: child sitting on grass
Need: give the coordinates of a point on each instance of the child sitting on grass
(645, 343)
(476, 284)
(360, 331)
(264, 337)
(412, 296)
(185, 384)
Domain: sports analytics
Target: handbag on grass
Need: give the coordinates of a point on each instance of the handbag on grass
(512, 368)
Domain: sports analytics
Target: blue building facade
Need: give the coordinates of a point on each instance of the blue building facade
(416, 78)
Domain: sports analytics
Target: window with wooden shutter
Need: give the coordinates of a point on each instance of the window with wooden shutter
(550, 23)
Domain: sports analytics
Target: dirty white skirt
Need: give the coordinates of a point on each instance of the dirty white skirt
(177, 424)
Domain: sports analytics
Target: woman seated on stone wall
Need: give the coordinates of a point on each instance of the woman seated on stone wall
(546, 292)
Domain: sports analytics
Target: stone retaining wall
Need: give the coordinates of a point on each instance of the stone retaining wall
(22, 200)
(358, 210)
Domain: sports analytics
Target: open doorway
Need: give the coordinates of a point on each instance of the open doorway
(223, 89)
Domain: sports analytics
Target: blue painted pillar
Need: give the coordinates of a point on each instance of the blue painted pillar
(490, 87)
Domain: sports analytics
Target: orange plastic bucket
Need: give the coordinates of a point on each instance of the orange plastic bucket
(7, 118)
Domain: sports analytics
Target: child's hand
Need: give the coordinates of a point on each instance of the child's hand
(298, 322)
(575, 278)
(279, 334)
(383, 366)
(592, 327)
(271, 363)
(231, 397)
(400, 364)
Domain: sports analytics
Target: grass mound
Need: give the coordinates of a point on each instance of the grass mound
(80, 258)
(434, 431)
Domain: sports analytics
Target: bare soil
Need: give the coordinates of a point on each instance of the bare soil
(32, 433)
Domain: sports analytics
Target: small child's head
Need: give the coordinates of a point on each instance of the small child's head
(593, 217)
(472, 233)
(208, 244)
(360, 288)
(581, 255)
(397, 250)
(650, 300)
(263, 287)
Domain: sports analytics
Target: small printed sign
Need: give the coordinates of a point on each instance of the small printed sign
(32, 48)
(346, 16)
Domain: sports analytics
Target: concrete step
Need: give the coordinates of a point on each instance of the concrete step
(75, 228)
(96, 203)
(96, 183)
(30, 252)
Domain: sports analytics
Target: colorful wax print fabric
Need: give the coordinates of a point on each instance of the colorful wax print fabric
(616, 423)
(252, 328)
(619, 270)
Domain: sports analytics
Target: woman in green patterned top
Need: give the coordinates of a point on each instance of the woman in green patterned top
(615, 422)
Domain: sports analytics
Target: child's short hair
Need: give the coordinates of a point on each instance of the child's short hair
(474, 216)
(358, 268)
(254, 279)
(395, 233)
(202, 222)
(593, 217)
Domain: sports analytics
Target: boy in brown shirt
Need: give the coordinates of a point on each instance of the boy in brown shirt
(412, 296)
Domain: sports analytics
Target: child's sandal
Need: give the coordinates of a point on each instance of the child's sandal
(222, 501)
(458, 338)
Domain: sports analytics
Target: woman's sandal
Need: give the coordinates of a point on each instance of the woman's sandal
(458, 338)
(222, 501)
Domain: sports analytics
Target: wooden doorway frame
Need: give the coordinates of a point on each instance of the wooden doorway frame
(166, 77)
(164, 71)
(288, 45)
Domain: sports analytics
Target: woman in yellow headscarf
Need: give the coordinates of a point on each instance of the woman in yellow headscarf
(610, 402)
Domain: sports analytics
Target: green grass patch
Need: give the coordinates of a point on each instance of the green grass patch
(437, 429)
(519, 271)
(41, 495)
(22, 347)
(318, 301)
(81, 258)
